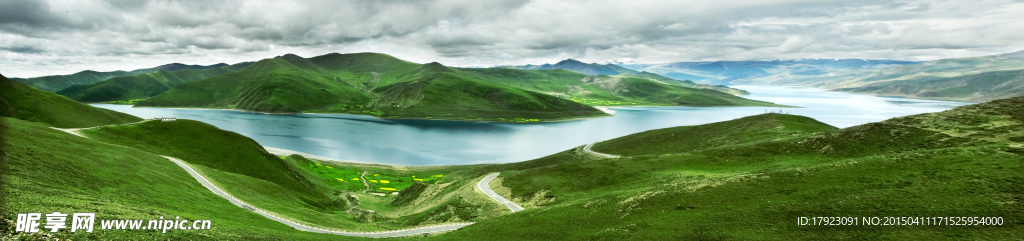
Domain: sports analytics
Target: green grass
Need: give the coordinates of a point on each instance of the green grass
(350, 178)
(752, 177)
(299, 189)
(692, 138)
(123, 102)
(47, 170)
(24, 102)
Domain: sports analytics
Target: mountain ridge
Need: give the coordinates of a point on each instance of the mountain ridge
(384, 86)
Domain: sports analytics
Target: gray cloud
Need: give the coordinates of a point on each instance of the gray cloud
(42, 37)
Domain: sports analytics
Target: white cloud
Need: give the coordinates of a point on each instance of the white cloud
(44, 37)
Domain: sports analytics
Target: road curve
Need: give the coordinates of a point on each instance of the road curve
(386, 234)
(587, 149)
(206, 183)
(490, 193)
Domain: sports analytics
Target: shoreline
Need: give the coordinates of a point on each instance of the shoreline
(606, 111)
(287, 152)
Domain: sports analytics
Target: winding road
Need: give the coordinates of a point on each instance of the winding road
(206, 183)
(490, 193)
(587, 149)
(385, 234)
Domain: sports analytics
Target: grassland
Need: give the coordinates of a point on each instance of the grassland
(47, 170)
(306, 191)
(24, 102)
(754, 176)
(387, 87)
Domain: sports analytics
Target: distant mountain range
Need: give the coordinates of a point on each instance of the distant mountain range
(726, 72)
(384, 86)
(55, 83)
(615, 70)
(966, 79)
(20, 101)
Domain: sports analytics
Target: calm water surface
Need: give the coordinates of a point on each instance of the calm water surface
(434, 142)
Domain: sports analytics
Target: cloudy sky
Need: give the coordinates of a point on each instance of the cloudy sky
(47, 37)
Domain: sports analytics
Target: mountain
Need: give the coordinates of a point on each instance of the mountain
(145, 85)
(615, 70)
(384, 86)
(965, 79)
(728, 72)
(755, 176)
(20, 101)
(574, 65)
(55, 83)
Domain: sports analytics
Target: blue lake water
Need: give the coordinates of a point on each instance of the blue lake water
(435, 142)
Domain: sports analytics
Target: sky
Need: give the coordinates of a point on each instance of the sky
(51, 37)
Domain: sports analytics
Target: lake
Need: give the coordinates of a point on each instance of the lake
(436, 142)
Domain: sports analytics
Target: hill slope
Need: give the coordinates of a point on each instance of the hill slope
(24, 102)
(756, 175)
(384, 86)
(47, 170)
(143, 85)
(55, 83)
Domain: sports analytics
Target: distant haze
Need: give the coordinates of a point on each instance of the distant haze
(49, 37)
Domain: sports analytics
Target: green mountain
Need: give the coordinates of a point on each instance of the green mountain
(55, 83)
(615, 70)
(143, 85)
(752, 178)
(387, 87)
(965, 79)
(20, 101)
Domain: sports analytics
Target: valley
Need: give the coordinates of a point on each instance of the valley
(746, 166)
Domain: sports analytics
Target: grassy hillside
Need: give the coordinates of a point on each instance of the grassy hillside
(693, 138)
(55, 83)
(47, 170)
(961, 162)
(384, 86)
(270, 85)
(303, 190)
(445, 95)
(24, 102)
(144, 85)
